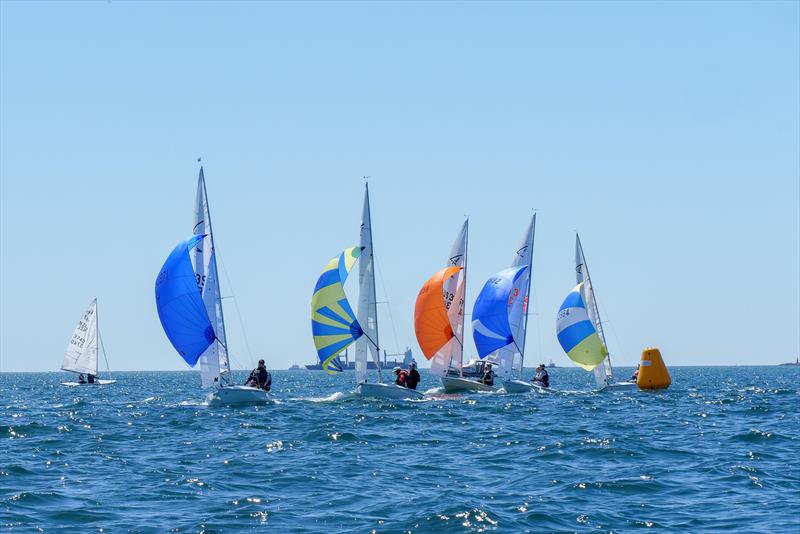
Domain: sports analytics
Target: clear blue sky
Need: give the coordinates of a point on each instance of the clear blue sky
(666, 133)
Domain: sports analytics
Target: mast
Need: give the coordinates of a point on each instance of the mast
(224, 376)
(374, 295)
(527, 300)
(464, 300)
(609, 370)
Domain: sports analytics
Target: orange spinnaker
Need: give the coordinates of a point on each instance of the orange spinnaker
(431, 323)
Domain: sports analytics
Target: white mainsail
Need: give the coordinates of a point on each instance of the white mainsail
(602, 373)
(367, 301)
(451, 355)
(510, 358)
(214, 363)
(81, 355)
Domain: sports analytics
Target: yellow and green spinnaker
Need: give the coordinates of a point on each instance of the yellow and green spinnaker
(333, 322)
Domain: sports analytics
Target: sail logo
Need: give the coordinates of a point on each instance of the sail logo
(521, 252)
(455, 260)
(579, 268)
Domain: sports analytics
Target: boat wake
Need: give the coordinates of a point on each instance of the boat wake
(333, 397)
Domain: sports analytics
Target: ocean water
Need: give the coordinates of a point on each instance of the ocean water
(718, 451)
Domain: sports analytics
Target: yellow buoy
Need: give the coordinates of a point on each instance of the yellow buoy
(653, 374)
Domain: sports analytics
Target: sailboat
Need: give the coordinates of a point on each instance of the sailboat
(190, 309)
(439, 319)
(580, 330)
(500, 316)
(334, 325)
(81, 355)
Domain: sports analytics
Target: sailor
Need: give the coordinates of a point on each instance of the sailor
(81, 380)
(635, 377)
(541, 379)
(488, 375)
(260, 377)
(90, 378)
(402, 377)
(413, 375)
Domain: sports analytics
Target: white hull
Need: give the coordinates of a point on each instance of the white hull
(455, 384)
(620, 386)
(97, 382)
(520, 386)
(387, 391)
(237, 395)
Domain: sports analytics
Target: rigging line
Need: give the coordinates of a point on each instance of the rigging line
(616, 337)
(238, 313)
(105, 356)
(388, 305)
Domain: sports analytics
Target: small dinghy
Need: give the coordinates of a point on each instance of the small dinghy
(580, 330)
(81, 355)
(334, 325)
(189, 306)
(439, 320)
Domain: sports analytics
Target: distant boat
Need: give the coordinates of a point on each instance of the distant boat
(386, 363)
(580, 331)
(81, 355)
(294, 367)
(796, 362)
(439, 319)
(334, 325)
(189, 306)
(552, 365)
(500, 316)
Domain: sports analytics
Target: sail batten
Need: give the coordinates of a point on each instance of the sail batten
(333, 323)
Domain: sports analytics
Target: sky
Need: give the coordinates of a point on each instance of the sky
(667, 134)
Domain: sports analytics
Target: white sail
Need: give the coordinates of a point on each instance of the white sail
(511, 358)
(451, 355)
(81, 355)
(602, 373)
(214, 364)
(367, 302)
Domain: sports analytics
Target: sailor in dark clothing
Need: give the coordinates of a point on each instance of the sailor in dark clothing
(542, 378)
(91, 378)
(260, 377)
(488, 375)
(413, 376)
(81, 380)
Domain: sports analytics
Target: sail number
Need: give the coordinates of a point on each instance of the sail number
(448, 299)
(201, 281)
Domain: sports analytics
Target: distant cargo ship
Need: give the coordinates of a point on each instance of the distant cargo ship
(347, 365)
(796, 362)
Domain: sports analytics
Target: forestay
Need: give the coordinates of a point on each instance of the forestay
(180, 307)
(214, 363)
(333, 324)
(81, 355)
(367, 300)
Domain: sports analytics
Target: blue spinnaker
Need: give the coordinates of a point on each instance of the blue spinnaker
(180, 305)
(490, 326)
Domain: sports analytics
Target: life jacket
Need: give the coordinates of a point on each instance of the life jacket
(402, 378)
